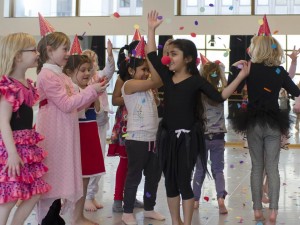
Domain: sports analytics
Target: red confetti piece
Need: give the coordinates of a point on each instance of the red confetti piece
(206, 198)
(193, 34)
(117, 15)
(267, 89)
(165, 60)
(181, 28)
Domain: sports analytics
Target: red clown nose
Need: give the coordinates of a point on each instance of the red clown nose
(165, 60)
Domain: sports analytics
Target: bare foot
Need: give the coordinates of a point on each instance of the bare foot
(222, 207)
(196, 205)
(154, 215)
(129, 219)
(85, 221)
(97, 204)
(273, 215)
(258, 215)
(89, 206)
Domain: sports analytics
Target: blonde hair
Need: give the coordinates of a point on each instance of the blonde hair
(53, 40)
(267, 50)
(93, 57)
(10, 46)
(212, 72)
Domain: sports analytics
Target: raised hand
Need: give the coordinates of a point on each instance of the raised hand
(109, 48)
(153, 21)
(294, 54)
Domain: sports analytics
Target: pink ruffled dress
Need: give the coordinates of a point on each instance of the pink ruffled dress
(30, 181)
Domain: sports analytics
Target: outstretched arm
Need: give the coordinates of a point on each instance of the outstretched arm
(153, 23)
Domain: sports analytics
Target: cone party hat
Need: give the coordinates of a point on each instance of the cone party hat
(264, 29)
(204, 60)
(45, 26)
(139, 51)
(75, 49)
(136, 36)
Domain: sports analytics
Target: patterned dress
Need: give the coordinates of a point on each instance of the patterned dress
(30, 181)
(119, 131)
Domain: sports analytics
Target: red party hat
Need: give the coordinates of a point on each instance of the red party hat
(139, 51)
(136, 36)
(264, 29)
(75, 49)
(204, 60)
(45, 26)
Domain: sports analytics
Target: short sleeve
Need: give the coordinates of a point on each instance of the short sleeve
(11, 92)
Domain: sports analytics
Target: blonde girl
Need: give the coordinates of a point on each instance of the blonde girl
(21, 160)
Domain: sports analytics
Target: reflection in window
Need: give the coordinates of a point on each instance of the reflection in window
(30, 8)
(213, 7)
(277, 7)
(124, 3)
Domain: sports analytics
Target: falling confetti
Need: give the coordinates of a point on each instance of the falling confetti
(116, 15)
(267, 89)
(240, 66)
(136, 26)
(211, 5)
(148, 195)
(206, 198)
(160, 17)
(241, 162)
(193, 34)
(231, 166)
(181, 28)
(209, 162)
(274, 46)
(196, 22)
(202, 9)
(225, 54)
(160, 46)
(275, 32)
(231, 7)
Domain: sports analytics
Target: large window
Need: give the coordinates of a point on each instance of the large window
(241, 7)
(30, 8)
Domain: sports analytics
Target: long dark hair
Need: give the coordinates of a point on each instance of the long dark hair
(129, 48)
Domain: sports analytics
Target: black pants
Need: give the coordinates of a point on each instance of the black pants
(178, 168)
(140, 160)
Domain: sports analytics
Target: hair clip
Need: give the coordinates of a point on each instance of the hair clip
(214, 74)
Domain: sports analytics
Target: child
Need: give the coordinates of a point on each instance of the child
(102, 118)
(78, 68)
(21, 160)
(214, 134)
(58, 120)
(181, 131)
(142, 124)
(117, 146)
(263, 121)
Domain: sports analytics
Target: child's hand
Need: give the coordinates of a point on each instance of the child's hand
(245, 69)
(240, 62)
(294, 54)
(13, 165)
(101, 87)
(109, 48)
(153, 21)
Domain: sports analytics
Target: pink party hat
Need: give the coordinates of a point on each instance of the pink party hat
(264, 29)
(75, 49)
(204, 60)
(45, 26)
(136, 36)
(139, 51)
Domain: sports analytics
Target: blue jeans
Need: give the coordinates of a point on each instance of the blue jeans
(216, 148)
(264, 148)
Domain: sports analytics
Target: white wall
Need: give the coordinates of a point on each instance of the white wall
(239, 25)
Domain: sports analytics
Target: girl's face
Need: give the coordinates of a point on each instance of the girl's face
(59, 56)
(82, 75)
(30, 57)
(177, 60)
(141, 72)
